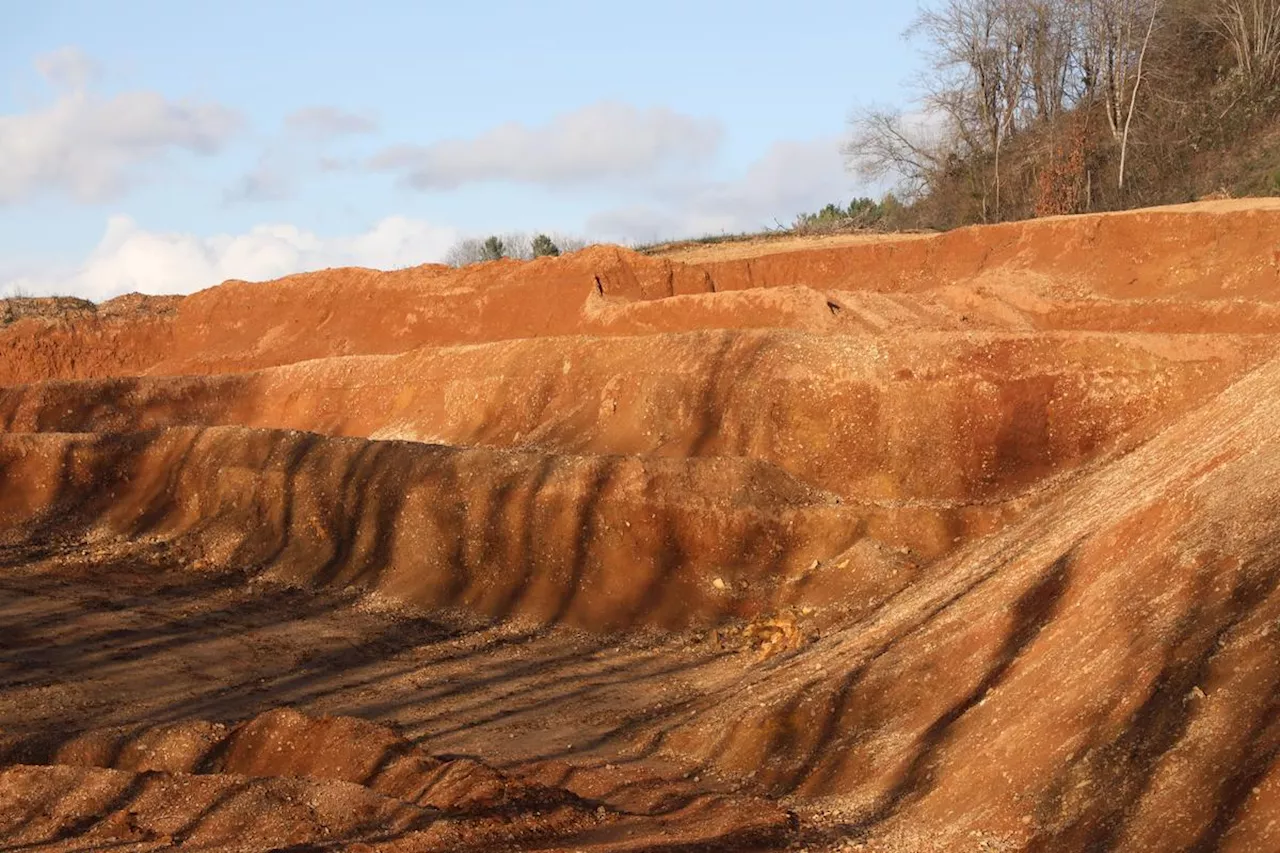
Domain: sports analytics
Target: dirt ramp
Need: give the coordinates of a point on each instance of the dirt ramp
(994, 414)
(1096, 677)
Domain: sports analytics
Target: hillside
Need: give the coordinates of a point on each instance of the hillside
(923, 542)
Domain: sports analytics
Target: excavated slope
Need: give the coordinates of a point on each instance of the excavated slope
(918, 543)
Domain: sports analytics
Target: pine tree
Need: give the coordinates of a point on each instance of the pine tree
(544, 248)
(494, 249)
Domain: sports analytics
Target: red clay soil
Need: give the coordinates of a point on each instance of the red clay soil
(954, 542)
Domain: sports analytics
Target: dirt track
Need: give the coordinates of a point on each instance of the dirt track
(931, 543)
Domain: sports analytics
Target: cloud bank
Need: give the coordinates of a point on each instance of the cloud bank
(598, 143)
(790, 178)
(130, 258)
(297, 151)
(93, 147)
(326, 122)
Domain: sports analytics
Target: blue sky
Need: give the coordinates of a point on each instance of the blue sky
(163, 146)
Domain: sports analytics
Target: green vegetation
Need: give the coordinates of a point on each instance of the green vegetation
(493, 249)
(544, 247)
(862, 214)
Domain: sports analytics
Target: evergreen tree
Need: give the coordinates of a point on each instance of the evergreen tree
(493, 249)
(544, 248)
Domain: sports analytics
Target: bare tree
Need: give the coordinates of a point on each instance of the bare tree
(980, 52)
(467, 251)
(887, 143)
(996, 67)
(1048, 70)
(568, 243)
(1252, 29)
(1117, 36)
(1112, 51)
(1137, 85)
(1053, 68)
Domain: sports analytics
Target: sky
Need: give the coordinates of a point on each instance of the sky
(164, 147)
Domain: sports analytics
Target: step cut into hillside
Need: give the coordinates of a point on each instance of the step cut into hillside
(931, 542)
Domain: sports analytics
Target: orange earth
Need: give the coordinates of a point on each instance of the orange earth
(966, 541)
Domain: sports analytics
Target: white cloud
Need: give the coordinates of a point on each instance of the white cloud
(130, 258)
(68, 68)
(599, 142)
(270, 180)
(335, 164)
(791, 177)
(325, 122)
(295, 151)
(93, 147)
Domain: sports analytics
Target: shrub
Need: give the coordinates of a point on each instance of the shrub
(543, 247)
(861, 214)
